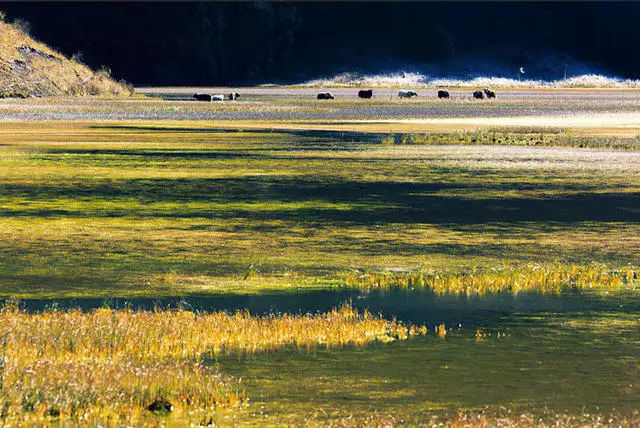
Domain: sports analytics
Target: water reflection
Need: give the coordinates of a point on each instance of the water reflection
(416, 306)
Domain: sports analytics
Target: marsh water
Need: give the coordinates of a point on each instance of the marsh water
(569, 354)
(572, 354)
(543, 354)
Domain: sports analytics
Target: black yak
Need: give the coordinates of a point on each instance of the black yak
(202, 97)
(365, 93)
(325, 96)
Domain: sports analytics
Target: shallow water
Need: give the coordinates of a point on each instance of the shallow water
(541, 354)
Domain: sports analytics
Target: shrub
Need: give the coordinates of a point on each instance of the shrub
(77, 57)
(104, 71)
(22, 25)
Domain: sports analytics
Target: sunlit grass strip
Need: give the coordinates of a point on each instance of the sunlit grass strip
(536, 278)
(111, 365)
(103, 391)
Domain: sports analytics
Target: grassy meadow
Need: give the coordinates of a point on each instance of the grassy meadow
(103, 210)
(489, 237)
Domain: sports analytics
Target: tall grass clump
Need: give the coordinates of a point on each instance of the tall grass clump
(528, 278)
(117, 366)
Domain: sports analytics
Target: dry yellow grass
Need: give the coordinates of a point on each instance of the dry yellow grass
(30, 68)
(527, 278)
(110, 366)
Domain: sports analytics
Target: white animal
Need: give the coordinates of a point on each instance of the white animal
(407, 94)
(217, 98)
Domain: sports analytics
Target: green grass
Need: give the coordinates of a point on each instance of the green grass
(103, 211)
(146, 210)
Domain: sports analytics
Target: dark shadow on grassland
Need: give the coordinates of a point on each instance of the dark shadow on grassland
(82, 281)
(165, 154)
(364, 202)
(252, 152)
(134, 267)
(246, 189)
(265, 154)
(286, 189)
(312, 134)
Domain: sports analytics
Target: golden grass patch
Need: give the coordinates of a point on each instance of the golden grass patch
(525, 278)
(117, 366)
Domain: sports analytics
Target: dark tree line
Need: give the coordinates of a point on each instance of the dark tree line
(245, 43)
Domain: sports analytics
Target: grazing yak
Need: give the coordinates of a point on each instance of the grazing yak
(325, 96)
(234, 96)
(443, 94)
(208, 97)
(365, 93)
(479, 95)
(407, 94)
(489, 93)
(202, 97)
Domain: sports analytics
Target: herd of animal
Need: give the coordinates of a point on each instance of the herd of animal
(442, 93)
(363, 93)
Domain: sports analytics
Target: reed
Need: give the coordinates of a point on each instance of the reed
(114, 366)
(514, 279)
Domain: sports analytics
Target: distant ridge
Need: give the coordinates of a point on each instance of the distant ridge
(29, 68)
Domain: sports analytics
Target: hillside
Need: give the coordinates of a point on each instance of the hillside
(29, 68)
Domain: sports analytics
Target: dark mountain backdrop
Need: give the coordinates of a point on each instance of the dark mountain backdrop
(164, 43)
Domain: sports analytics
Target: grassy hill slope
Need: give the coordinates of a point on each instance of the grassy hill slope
(29, 68)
